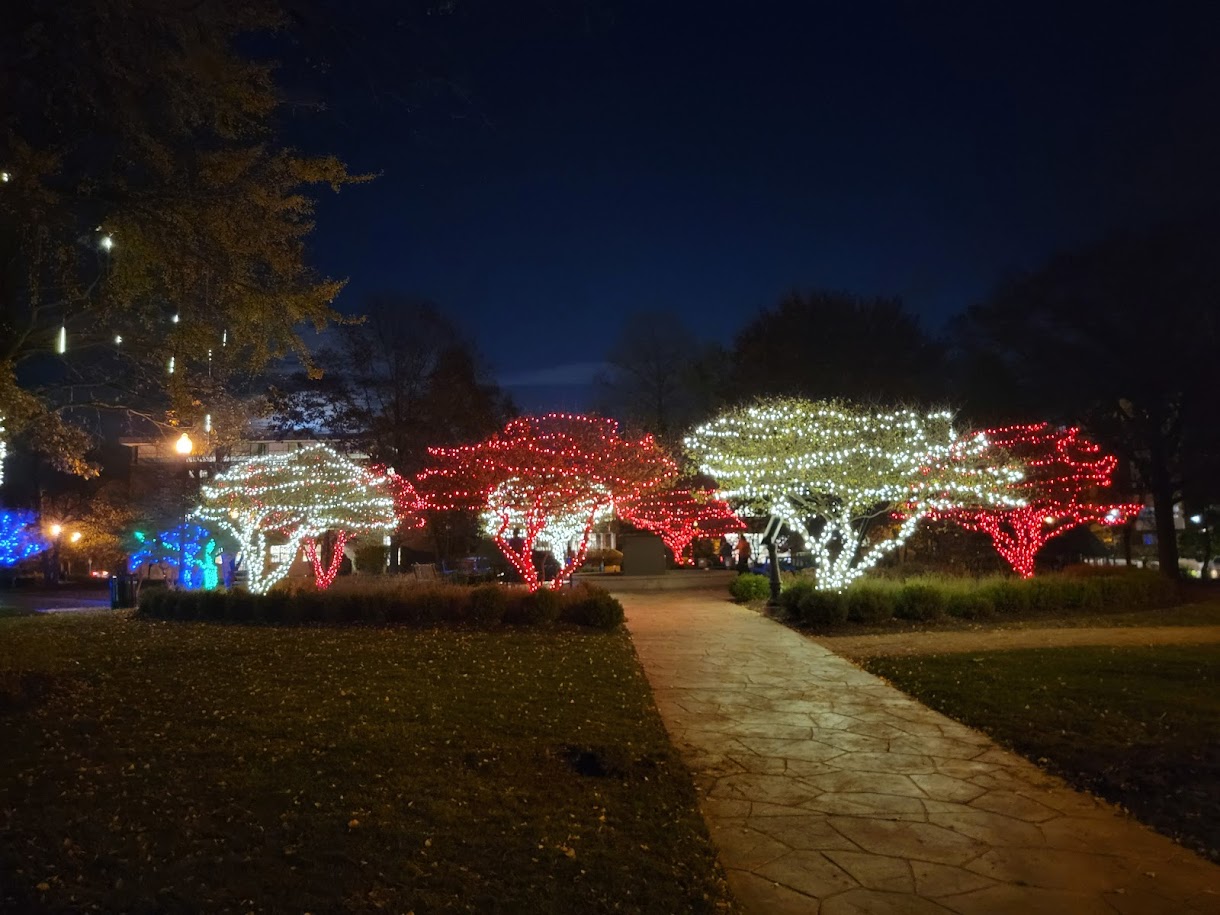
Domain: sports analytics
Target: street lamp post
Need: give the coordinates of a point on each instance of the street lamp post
(184, 446)
(57, 532)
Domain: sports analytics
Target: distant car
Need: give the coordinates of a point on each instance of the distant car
(1194, 568)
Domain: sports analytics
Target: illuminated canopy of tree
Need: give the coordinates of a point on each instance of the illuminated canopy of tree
(553, 473)
(20, 537)
(149, 218)
(1063, 474)
(99, 511)
(839, 474)
(679, 516)
(300, 496)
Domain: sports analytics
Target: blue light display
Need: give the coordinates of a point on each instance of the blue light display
(20, 537)
(189, 544)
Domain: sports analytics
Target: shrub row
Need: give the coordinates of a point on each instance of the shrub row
(487, 605)
(873, 600)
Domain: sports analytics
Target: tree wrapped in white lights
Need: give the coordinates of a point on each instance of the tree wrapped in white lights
(854, 482)
(299, 495)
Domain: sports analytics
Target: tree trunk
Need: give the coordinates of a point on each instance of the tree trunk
(1162, 504)
(394, 561)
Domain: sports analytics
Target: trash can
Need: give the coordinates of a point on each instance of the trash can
(122, 592)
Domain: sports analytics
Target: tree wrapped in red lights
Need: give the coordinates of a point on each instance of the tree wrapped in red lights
(407, 503)
(542, 472)
(680, 515)
(1062, 472)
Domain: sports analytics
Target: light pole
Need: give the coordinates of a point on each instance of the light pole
(57, 532)
(184, 446)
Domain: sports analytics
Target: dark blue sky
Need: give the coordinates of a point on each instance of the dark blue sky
(706, 158)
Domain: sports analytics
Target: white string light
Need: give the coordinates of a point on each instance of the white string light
(300, 495)
(830, 470)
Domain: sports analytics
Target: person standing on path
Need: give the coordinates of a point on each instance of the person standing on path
(743, 554)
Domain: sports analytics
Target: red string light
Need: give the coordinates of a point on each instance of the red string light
(541, 469)
(324, 576)
(679, 516)
(1062, 471)
(407, 504)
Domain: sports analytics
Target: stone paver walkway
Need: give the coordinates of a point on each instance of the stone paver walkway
(829, 792)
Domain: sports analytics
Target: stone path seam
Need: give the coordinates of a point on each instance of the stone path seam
(829, 792)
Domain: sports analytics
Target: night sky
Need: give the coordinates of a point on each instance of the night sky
(575, 162)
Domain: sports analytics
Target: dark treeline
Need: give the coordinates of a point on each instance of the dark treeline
(1120, 337)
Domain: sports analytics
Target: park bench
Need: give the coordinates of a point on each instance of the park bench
(426, 571)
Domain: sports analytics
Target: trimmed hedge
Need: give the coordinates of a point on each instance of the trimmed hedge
(823, 608)
(874, 600)
(488, 605)
(790, 597)
(747, 587)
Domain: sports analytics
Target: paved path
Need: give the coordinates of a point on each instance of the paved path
(911, 643)
(829, 792)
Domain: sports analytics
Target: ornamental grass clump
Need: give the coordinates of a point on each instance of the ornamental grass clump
(488, 604)
(920, 602)
(867, 604)
(1007, 595)
(969, 605)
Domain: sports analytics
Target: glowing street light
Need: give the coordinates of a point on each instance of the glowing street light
(106, 243)
(75, 538)
(56, 530)
(184, 446)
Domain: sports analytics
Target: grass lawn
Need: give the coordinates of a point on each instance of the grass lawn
(1138, 726)
(152, 766)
